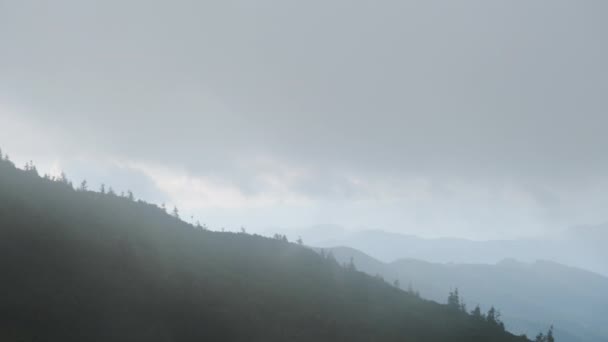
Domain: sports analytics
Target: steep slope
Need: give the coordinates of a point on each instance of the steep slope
(531, 296)
(85, 266)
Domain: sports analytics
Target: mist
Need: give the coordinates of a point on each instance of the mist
(478, 120)
(332, 170)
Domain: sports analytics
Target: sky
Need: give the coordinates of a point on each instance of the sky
(475, 119)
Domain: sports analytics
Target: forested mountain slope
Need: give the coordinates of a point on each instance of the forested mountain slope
(531, 296)
(85, 266)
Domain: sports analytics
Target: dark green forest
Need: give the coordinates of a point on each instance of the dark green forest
(80, 265)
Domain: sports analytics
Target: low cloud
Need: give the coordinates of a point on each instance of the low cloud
(468, 119)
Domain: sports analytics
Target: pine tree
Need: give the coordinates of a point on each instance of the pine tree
(62, 178)
(491, 316)
(476, 313)
(130, 195)
(397, 284)
(550, 337)
(540, 338)
(175, 212)
(83, 186)
(454, 300)
(102, 189)
(30, 167)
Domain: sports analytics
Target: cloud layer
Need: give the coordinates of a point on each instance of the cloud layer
(474, 118)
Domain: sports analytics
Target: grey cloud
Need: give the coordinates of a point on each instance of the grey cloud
(492, 92)
(121, 178)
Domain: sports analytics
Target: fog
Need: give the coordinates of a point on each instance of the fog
(470, 119)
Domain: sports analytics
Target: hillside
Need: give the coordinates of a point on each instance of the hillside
(87, 266)
(531, 296)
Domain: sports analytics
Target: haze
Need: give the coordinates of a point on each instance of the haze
(473, 119)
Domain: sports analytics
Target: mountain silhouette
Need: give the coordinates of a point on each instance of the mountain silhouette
(79, 265)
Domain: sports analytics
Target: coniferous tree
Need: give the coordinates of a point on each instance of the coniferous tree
(397, 284)
(299, 241)
(102, 189)
(454, 300)
(491, 316)
(30, 167)
(175, 212)
(540, 338)
(130, 195)
(83, 186)
(550, 337)
(476, 313)
(279, 237)
(63, 178)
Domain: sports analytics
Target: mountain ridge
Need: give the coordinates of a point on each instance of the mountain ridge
(531, 295)
(585, 251)
(82, 265)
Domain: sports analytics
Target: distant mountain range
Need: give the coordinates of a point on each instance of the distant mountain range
(583, 247)
(531, 296)
(560, 280)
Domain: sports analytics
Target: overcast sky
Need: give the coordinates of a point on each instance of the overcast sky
(479, 119)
